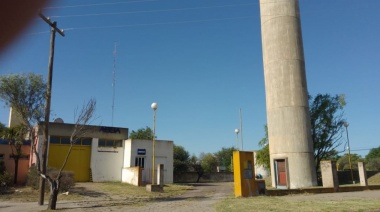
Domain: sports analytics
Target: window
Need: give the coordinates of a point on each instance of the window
(55, 139)
(140, 161)
(86, 141)
(66, 140)
(110, 143)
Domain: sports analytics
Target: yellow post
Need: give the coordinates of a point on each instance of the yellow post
(244, 174)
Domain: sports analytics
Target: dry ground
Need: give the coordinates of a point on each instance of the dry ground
(191, 197)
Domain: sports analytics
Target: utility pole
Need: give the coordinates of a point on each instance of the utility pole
(54, 29)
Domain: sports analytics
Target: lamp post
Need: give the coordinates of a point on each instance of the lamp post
(237, 138)
(349, 151)
(154, 106)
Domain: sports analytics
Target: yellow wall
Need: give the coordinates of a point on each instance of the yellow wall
(244, 174)
(78, 162)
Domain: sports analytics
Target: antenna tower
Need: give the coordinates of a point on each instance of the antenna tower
(113, 81)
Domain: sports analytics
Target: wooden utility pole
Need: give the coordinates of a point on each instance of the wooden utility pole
(44, 149)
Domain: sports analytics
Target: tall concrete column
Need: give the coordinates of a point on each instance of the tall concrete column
(286, 92)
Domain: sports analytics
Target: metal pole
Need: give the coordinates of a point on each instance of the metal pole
(237, 138)
(154, 141)
(241, 130)
(349, 154)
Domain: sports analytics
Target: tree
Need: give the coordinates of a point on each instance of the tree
(180, 159)
(145, 134)
(373, 164)
(16, 139)
(373, 153)
(80, 130)
(373, 159)
(326, 116)
(2, 127)
(262, 156)
(25, 93)
(196, 166)
(208, 162)
(343, 162)
(224, 156)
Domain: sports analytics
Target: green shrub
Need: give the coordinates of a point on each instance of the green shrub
(6, 179)
(67, 180)
(2, 167)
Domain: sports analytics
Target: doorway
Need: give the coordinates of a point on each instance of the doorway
(281, 173)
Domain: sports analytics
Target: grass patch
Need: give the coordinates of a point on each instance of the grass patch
(266, 203)
(127, 190)
(28, 194)
(374, 180)
(108, 190)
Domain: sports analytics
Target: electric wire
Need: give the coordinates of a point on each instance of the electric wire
(160, 23)
(98, 4)
(151, 11)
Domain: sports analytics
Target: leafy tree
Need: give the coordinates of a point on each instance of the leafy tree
(2, 127)
(326, 115)
(145, 134)
(373, 159)
(196, 166)
(208, 162)
(16, 139)
(224, 156)
(373, 153)
(26, 93)
(262, 156)
(343, 162)
(373, 164)
(180, 159)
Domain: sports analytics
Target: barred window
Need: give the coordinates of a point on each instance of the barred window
(140, 161)
(66, 140)
(110, 143)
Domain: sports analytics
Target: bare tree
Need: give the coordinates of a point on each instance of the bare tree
(80, 130)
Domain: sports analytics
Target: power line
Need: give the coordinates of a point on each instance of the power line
(152, 11)
(140, 25)
(99, 4)
(161, 23)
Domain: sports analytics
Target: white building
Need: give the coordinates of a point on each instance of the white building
(106, 154)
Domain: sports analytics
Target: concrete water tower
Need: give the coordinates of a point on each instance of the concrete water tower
(290, 142)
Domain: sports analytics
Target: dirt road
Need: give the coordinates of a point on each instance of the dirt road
(201, 198)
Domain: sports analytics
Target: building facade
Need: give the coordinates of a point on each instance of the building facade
(104, 154)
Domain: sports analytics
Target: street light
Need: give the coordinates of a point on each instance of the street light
(349, 151)
(154, 106)
(237, 138)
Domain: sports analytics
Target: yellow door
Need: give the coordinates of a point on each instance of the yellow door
(78, 162)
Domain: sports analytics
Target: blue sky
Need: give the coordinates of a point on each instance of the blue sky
(201, 61)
